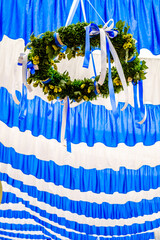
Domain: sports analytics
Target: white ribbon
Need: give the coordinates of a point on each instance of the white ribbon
(120, 71)
(83, 11)
(103, 56)
(20, 60)
(64, 118)
(72, 12)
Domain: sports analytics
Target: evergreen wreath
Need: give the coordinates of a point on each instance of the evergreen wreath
(43, 50)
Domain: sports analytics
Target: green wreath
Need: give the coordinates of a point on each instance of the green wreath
(43, 50)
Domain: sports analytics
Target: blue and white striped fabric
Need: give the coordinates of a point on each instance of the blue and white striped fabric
(107, 188)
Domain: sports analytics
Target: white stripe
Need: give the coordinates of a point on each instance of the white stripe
(99, 156)
(73, 216)
(20, 207)
(77, 195)
(10, 50)
(14, 220)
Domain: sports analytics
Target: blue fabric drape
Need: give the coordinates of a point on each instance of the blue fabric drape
(89, 124)
(85, 120)
(97, 181)
(42, 15)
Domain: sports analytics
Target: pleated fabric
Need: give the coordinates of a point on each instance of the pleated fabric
(108, 187)
(39, 16)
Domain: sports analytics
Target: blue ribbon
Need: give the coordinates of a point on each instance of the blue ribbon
(87, 48)
(30, 66)
(46, 81)
(132, 59)
(89, 28)
(139, 112)
(63, 49)
(23, 103)
(56, 40)
(95, 74)
(68, 137)
(110, 85)
(142, 109)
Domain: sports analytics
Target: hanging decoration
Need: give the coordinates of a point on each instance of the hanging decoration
(70, 42)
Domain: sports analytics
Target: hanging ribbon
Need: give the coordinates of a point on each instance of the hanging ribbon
(110, 85)
(22, 61)
(139, 112)
(119, 70)
(65, 128)
(72, 12)
(95, 74)
(91, 30)
(106, 33)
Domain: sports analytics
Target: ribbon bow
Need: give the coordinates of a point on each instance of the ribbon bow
(106, 45)
(32, 67)
(108, 28)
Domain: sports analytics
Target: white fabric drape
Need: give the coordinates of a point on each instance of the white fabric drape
(11, 73)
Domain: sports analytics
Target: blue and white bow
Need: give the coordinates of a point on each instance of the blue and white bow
(106, 45)
(32, 67)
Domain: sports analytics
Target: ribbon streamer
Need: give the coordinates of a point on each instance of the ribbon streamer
(106, 33)
(65, 128)
(142, 107)
(120, 71)
(139, 112)
(110, 86)
(103, 57)
(72, 12)
(25, 86)
(20, 63)
(95, 74)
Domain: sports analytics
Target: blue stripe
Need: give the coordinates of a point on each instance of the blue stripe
(106, 180)
(4, 238)
(21, 235)
(21, 227)
(145, 236)
(83, 121)
(94, 210)
(89, 230)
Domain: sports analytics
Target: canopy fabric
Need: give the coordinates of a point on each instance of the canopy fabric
(21, 18)
(108, 187)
